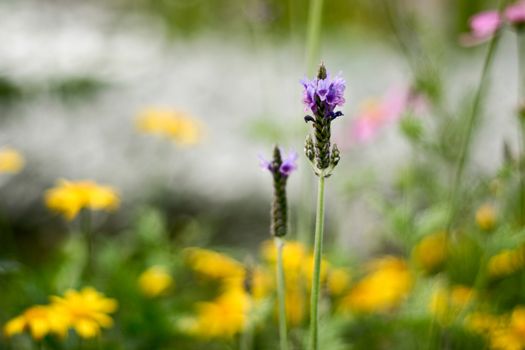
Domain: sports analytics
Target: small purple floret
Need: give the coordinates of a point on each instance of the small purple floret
(326, 92)
(287, 166)
(289, 163)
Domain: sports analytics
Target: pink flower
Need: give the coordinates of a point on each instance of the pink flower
(485, 24)
(515, 13)
(482, 27)
(376, 114)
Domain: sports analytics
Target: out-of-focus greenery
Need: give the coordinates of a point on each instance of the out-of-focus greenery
(282, 16)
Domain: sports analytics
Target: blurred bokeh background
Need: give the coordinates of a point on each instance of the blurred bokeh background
(76, 75)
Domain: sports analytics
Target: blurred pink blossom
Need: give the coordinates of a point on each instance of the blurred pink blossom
(374, 114)
(485, 24)
(515, 13)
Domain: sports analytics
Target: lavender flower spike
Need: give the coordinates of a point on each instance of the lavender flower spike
(281, 166)
(322, 95)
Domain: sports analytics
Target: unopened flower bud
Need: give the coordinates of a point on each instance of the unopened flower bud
(335, 156)
(322, 74)
(309, 150)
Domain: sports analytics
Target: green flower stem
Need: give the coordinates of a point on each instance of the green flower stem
(521, 65)
(281, 295)
(315, 15)
(86, 228)
(521, 100)
(247, 335)
(471, 122)
(316, 280)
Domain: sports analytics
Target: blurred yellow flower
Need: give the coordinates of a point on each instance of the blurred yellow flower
(262, 283)
(517, 322)
(506, 262)
(214, 265)
(338, 281)
(69, 197)
(431, 251)
(447, 304)
(505, 339)
(294, 255)
(298, 263)
(504, 332)
(486, 217)
(155, 281)
(308, 270)
(175, 125)
(295, 305)
(40, 320)
(87, 310)
(11, 161)
(386, 285)
(482, 323)
(224, 317)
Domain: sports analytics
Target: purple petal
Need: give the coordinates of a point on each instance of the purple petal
(264, 163)
(289, 163)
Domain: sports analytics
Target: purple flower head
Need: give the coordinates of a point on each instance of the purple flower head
(324, 93)
(289, 163)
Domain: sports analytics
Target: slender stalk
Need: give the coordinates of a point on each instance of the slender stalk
(315, 15)
(521, 99)
(316, 280)
(247, 335)
(471, 122)
(281, 294)
(521, 65)
(86, 229)
(313, 37)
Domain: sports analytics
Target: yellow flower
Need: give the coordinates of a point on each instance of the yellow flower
(87, 310)
(445, 305)
(224, 317)
(172, 124)
(431, 251)
(506, 262)
(486, 217)
(504, 332)
(40, 320)
(387, 284)
(214, 265)
(262, 283)
(298, 263)
(69, 197)
(295, 305)
(517, 322)
(294, 255)
(505, 339)
(155, 281)
(11, 161)
(337, 281)
(308, 270)
(482, 323)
